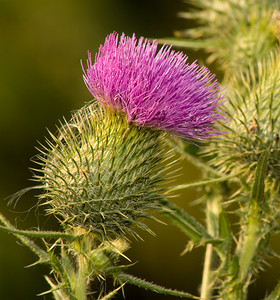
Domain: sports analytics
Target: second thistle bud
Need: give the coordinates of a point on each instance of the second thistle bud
(254, 126)
(100, 174)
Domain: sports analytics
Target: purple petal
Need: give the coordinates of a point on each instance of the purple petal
(155, 89)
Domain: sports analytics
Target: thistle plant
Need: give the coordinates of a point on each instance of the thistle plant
(106, 169)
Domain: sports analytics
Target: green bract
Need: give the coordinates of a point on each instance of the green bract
(101, 173)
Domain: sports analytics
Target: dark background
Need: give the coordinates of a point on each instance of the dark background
(41, 44)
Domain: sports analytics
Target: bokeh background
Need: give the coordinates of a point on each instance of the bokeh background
(41, 44)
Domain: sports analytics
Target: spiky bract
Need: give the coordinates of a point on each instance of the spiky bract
(235, 33)
(155, 89)
(254, 125)
(101, 173)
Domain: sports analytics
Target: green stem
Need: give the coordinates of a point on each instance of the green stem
(213, 210)
(82, 278)
(206, 284)
(83, 248)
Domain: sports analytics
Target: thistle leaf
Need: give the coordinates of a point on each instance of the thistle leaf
(192, 228)
(122, 277)
(275, 294)
(56, 291)
(43, 256)
(257, 193)
(41, 234)
(111, 294)
(202, 183)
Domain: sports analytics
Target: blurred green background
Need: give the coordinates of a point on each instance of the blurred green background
(41, 44)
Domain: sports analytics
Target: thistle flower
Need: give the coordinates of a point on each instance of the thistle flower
(101, 172)
(155, 89)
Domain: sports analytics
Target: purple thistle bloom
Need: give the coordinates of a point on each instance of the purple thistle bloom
(155, 89)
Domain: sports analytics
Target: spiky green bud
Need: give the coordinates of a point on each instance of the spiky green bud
(101, 173)
(254, 110)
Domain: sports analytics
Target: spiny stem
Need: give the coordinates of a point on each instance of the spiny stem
(43, 255)
(184, 221)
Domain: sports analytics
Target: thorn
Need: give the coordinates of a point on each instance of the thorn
(85, 173)
(253, 126)
(125, 134)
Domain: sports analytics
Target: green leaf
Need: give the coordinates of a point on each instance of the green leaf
(111, 294)
(234, 267)
(257, 193)
(55, 290)
(41, 234)
(275, 294)
(223, 249)
(201, 183)
(184, 221)
(60, 269)
(43, 255)
(224, 229)
(122, 277)
(225, 235)
(68, 268)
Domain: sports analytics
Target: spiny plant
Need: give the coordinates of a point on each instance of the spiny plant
(102, 172)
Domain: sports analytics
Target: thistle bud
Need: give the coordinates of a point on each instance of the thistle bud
(254, 125)
(101, 173)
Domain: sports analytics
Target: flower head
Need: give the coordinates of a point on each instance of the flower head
(155, 89)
